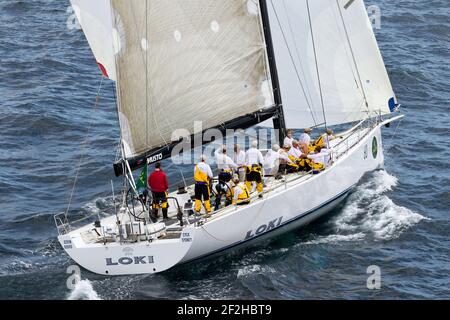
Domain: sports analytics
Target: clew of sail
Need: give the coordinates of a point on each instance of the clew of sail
(331, 41)
(179, 62)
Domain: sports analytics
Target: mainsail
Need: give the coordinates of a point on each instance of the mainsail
(330, 41)
(181, 62)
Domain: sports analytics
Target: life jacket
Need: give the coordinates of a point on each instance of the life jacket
(254, 168)
(200, 176)
(314, 165)
(320, 142)
(244, 196)
(294, 159)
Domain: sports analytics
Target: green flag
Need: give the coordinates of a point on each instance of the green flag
(142, 182)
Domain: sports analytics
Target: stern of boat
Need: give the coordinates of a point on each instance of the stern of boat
(122, 258)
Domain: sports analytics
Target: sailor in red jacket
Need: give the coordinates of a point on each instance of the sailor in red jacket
(159, 186)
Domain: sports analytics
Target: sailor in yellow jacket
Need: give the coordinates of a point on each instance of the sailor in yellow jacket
(241, 194)
(203, 176)
(254, 159)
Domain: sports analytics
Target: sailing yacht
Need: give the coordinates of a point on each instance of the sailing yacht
(229, 64)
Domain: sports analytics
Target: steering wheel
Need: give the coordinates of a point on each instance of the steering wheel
(134, 201)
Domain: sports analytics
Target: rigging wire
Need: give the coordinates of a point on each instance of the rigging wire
(317, 68)
(293, 62)
(83, 147)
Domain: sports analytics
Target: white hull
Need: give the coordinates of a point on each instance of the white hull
(285, 207)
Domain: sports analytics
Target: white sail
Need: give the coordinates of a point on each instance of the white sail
(184, 61)
(95, 19)
(347, 56)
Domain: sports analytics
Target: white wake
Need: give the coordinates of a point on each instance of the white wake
(83, 291)
(370, 211)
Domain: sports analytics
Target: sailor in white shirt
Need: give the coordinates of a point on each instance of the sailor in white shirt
(320, 156)
(224, 162)
(239, 156)
(254, 159)
(289, 138)
(295, 151)
(253, 155)
(284, 155)
(271, 161)
(305, 138)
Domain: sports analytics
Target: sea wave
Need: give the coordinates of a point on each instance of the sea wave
(369, 211)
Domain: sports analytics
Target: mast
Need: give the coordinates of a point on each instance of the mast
(279, 121)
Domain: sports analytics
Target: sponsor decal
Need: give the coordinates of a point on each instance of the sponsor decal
(375, 147)
(264, 228)
(186, 237)
(156, 158)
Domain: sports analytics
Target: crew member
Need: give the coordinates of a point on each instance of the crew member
(203, 176)
(294, 153)
(305, 141)
(316, 160)
(286, 164)
(325, 139)
(254, 159)
(159, 186)
(241, 194)
(226, 166)
(289, 138)
(239, 159)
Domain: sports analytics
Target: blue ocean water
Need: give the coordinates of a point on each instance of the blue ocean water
(397, 219)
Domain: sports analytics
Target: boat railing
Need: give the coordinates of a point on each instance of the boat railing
(361, 130)
(64, 225)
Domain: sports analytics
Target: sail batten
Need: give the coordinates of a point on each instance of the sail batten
(182, 62)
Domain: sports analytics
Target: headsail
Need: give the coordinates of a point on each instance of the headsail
(95, 19)
(184, 61)
(337, 36)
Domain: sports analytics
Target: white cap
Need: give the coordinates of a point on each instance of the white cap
(276, 148)
(255, 144)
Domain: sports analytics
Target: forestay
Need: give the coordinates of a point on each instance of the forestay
(330, 40)
(184, 61)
